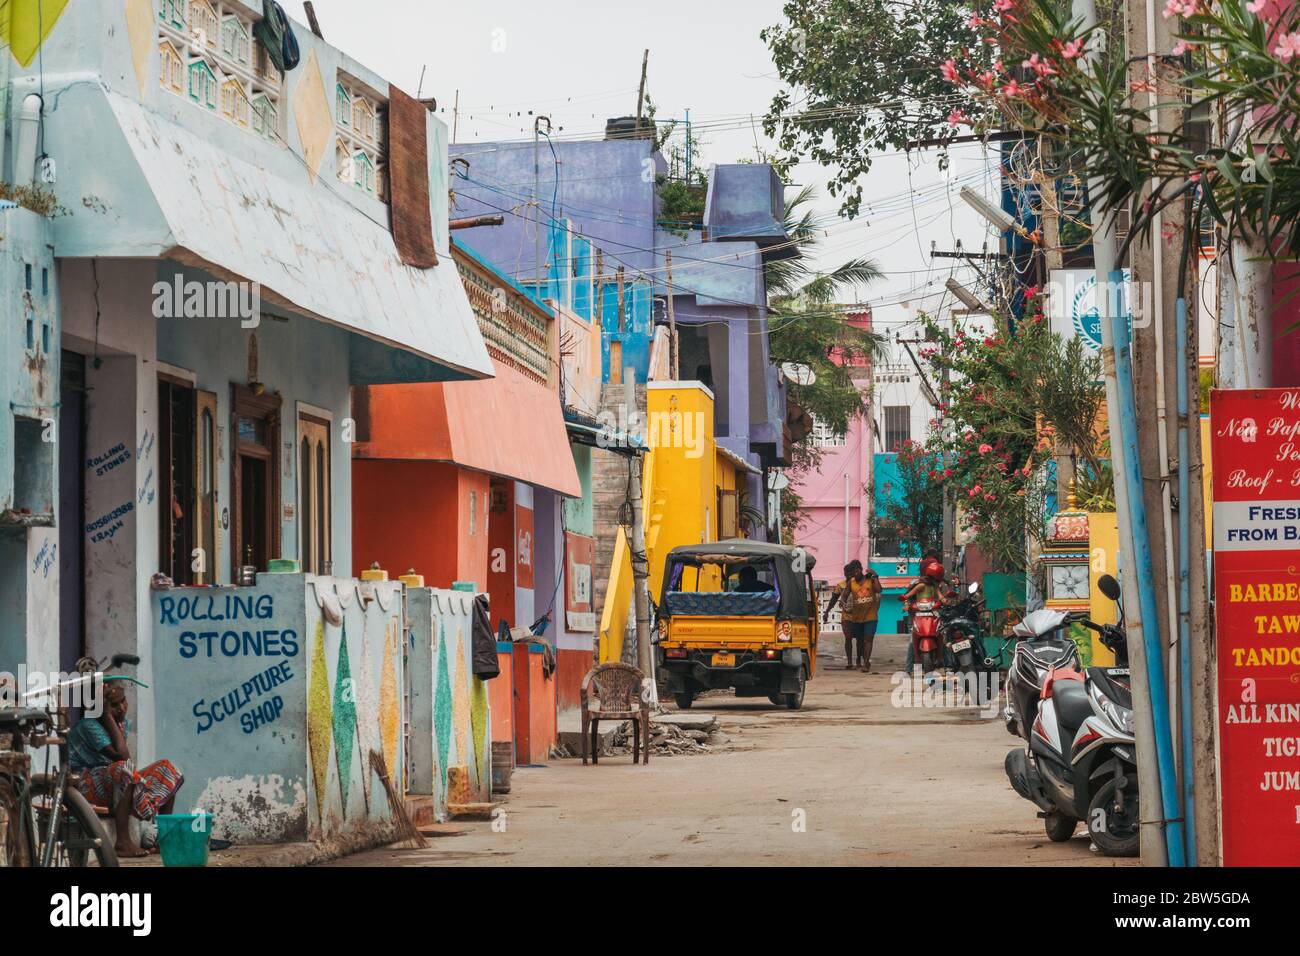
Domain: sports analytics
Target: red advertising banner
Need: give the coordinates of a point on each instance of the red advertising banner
(580, 552)
(1255, 441)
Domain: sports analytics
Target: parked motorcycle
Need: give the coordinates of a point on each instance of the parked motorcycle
(925, 634)
(1081, 758)
(962, 632)
(1044, 646)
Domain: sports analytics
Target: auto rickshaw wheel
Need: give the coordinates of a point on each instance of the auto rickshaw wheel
(684, 700)
(795, 701)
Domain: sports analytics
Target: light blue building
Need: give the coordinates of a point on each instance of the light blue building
(229, 258)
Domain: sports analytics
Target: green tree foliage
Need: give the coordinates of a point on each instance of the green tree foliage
(864, 76)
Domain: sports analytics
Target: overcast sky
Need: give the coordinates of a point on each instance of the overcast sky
(579, 62)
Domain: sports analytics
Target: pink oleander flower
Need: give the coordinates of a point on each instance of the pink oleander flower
(1288, 45)
(1002, 6)
(1257, 6)
(985, 448)
(1174, 8)
(1071, 50)
(975, 21)
(989, 496)
(974, 491)
(949, 71)
(1181, 47)
(1011, 89)
(956, 118)
(1039, 65)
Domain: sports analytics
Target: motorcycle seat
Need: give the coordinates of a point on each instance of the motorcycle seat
(1072, 704)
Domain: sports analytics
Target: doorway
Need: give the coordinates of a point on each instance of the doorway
(255, 479)
(72, 510)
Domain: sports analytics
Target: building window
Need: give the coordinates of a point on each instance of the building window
(898, 426)
(171, 69)
(235, 40)
(207, 54)
(203, 84)
(361, 153)
(886, 546)
(314, 494)
(205, 463)
(234, 103)
(824, 436)
(172, 13)
(203, 25)
(254, 479)
(266, 118)
(177, 495)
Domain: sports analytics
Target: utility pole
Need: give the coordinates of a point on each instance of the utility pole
(640, 93)
(1049, 212)
(455, 116)
(674, 360)
(1104, 253)
(640, 563)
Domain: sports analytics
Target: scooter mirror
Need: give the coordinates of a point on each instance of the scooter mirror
(974, 587)
(1108, 586)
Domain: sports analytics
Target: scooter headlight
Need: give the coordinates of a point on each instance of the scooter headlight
(1121, 717)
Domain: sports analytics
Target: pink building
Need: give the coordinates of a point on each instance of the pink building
(836, 495)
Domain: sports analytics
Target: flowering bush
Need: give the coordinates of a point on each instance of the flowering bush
(1011, 400)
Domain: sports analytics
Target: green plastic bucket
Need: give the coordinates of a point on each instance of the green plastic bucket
(183, 838)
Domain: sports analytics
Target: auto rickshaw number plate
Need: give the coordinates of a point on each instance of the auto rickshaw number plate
(724, 660)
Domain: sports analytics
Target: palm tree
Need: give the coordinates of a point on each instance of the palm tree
(805, 325)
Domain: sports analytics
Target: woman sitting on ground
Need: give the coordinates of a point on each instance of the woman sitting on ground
(99, 755)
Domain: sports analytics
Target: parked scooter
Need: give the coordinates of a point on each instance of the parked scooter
(1081, 761)
(925, 634)
(1043, 647)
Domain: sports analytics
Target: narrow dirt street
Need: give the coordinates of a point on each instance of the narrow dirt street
(874, 784)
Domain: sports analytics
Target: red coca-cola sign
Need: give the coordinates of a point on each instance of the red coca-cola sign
(1255, 441)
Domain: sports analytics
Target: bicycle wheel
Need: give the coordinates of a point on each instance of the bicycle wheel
(15, 840)
(80, 834)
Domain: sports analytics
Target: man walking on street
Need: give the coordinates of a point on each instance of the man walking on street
(859, 598)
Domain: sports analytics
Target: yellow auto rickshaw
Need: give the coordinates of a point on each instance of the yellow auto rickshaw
(740, 614)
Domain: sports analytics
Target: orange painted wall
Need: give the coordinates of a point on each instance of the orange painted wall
(501, 698)
(406, 536)
(541, 692)
(571, 667)
(535, 729)
(430, 531)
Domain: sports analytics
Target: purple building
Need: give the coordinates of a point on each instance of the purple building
(582, 210)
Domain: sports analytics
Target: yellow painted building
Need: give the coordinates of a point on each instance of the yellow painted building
(691, 489)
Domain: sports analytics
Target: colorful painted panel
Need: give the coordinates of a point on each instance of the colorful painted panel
(449, 705)
(362, 625)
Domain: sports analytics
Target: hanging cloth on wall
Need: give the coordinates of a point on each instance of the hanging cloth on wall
(275, 33)
(484, 650)
(408, 180)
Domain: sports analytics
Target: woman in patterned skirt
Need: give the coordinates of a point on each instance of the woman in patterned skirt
(99, 754)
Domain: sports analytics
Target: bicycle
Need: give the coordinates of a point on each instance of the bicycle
(45, 820)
